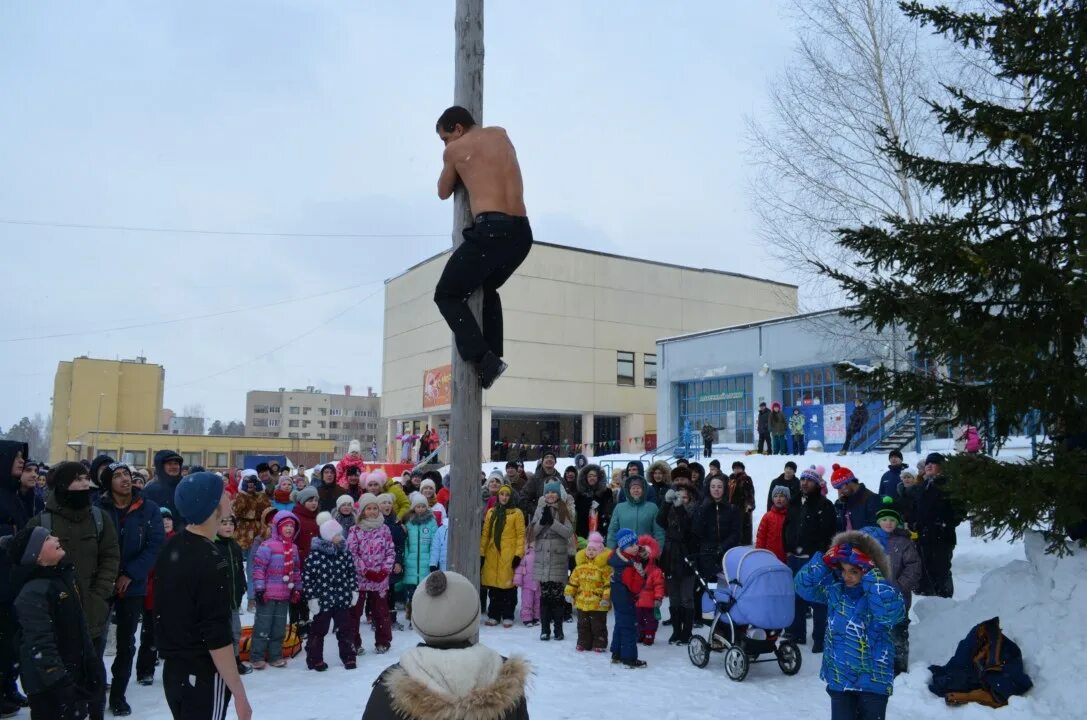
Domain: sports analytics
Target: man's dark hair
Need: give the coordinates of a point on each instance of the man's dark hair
(791, 464)
(511, 464)
(738, 464)
(263, 467)
(762, 404)
(454, 116)
(895, 454)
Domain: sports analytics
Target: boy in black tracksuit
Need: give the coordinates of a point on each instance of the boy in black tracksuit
(810, 526)
(58, 665)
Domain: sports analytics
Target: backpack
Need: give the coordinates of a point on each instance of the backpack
(96, 512)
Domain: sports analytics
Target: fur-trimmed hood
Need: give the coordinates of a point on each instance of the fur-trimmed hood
(583, 484)
(869, 546)
(664, 468)
(474, 682)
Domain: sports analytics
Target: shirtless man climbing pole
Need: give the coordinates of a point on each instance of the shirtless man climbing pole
(496, 243)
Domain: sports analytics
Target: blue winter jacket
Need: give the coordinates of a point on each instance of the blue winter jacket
(161, 490)
(417, 548)
(888, 484)
(140, 535)
(858, 654)
(858, 510)
(439, 548)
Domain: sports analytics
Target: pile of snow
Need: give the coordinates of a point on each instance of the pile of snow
(1041, 601)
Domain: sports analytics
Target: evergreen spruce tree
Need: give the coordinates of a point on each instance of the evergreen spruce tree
(994, 286)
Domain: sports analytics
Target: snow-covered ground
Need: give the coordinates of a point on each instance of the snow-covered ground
(1042, 603)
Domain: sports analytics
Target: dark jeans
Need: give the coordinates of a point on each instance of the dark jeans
(848, 440)
(194, 691)
(799, 629)
(127, 610)
(936, 565)
(97, 702)
(798, 444)
(592, 629)
(707, 448)
(764, 440)
(148, 655)
(9, 647)
(502, 603)
(378, 609)
(269, 629)
(857, 705)
(494, 247)
(778, 443)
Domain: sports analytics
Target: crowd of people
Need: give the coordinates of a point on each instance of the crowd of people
(345, 549)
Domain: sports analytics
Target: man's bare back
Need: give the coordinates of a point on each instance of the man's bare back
(484, 159)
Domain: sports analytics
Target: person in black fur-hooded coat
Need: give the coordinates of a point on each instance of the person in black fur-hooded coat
(590, 491)
(447, 677)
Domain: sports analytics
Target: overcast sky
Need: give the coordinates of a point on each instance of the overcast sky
(300, 116)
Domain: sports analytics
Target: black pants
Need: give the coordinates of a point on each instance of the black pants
(503, 602)
(857, 705)
(494, 247)
(194, 690)
(936, 566)
(9, 647)
(592, 629)
(707, 448)
(97, 703)
(49, 706)
(848, 440)
(127, 610)
(764, 439)
(148, 656)
(798, 444)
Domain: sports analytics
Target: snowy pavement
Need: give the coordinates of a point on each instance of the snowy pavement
(1042, 604)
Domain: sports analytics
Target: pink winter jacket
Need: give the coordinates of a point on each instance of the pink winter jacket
(277, 568)
(522, 576)
(347, 462)
(373, 551)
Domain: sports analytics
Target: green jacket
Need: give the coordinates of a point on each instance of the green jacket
(96, 557)
(639, 516)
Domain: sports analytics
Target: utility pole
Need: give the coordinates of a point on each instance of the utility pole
(465, 432)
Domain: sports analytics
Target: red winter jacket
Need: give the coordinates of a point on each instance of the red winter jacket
(652, 590)
(307, 530)
(771, 535)
(348, 461)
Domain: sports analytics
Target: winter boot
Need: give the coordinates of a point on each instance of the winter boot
(557, 616)
(676, 622)
(545, 621)
(686, 620)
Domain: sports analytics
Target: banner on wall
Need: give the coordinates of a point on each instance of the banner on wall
(438, 387)
(834, 424)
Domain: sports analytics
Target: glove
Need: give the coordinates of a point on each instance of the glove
(296, 597)
(375, 575)
(657, 604)
(434, 568)
(545, 516)
(833, 556)
(516, 561)
(314, 607)
(260, 597)
(670, 497)
(354, 599)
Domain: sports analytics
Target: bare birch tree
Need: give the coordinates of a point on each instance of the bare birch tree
(860, 65)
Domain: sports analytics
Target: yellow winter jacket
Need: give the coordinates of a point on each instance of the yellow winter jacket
(590, 583)
(497, 571)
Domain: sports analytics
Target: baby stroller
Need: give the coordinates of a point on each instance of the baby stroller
(751, 602)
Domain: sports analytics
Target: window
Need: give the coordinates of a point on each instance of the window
(274, 422)
(137, 458)
(305, 410)
(305, 435)
(322, 411)
(292, 423)
(306, 423)
(260, 422)
(650, 370)
(106, 451)
(192, 458)
(293, 436)
(273, 409)
(260, 409)
(333, 424)
(294, 410)
(624, 368)
(320, 436)
(336, 412)
(321, 423)
(218, 459)
(723, 402)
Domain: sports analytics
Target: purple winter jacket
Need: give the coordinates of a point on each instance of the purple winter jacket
(373, 551)
(277, 568)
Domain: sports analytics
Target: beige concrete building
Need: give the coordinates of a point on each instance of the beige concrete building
(97, 396)
(580, 339)
(311, 414)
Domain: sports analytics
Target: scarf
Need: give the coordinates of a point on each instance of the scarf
(498, 523)
(421, 519)
(370, 524)
(282, 496)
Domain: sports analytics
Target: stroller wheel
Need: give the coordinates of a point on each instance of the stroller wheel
(699, 651)
(788, 655)
(736, 665)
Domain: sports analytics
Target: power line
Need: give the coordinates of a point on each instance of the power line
(195, 231)
(276, 349)
(218, 313)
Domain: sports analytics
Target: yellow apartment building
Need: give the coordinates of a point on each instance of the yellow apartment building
(214, 452)
(92, 395)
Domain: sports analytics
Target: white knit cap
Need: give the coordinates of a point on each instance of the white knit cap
(417, 498)
(445, 609)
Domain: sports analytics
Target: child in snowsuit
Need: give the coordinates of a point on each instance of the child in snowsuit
(628, 577)
(58, 667)
(906, 572)
(277, 578)
(589, 589)
(420, 527)
(530, 588)
(862, 608)
(332, 589)
(651, 595)
(387, 503)
(771, 534)
(235, 578)
(371, 545)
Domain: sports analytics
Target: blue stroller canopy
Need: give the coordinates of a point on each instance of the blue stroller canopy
(760, 587)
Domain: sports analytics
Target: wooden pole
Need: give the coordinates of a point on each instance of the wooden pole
(465, 501)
